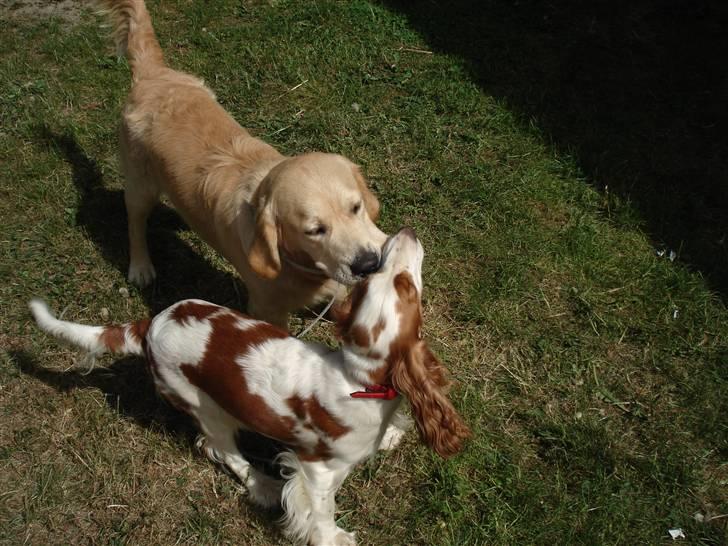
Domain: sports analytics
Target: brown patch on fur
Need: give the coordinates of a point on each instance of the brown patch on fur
(298, 406)
(222, 379)
(380, 376)
(139, 329)
(378, 328)
(315, 417)
(194, 310)
(345, 312)
(324, 421)
(358, 335)
(320, 452)
(113, 338)
(311, 411)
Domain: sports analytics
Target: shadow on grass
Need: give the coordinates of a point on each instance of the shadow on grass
(636, 91)
(128, 390)
(181, 272)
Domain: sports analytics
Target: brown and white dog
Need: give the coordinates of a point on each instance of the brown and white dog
(295, 228)
(331, 409)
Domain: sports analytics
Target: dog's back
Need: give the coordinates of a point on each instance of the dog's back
(177, 140)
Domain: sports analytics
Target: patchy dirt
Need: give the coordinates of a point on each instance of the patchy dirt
(29, 10)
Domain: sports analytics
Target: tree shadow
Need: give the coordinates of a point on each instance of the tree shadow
(181, 271)
(636, 91)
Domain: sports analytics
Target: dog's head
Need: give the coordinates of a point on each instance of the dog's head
(316, 212)
(381, 327)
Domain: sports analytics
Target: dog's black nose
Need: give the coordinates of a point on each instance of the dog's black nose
(365, 263)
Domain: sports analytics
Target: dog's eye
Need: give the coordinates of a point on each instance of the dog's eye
(318, 230)
(356, 208)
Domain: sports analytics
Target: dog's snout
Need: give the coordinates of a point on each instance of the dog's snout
(365, 263)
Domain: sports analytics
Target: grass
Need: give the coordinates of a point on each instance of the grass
(591, 370)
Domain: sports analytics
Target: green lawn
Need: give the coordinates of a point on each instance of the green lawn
(592, 371)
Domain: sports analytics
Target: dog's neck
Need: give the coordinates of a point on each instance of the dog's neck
(361, 369)
(306, 270)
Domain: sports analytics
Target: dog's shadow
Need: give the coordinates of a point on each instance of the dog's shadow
(128, 390)
(181, 271)
(126, 386)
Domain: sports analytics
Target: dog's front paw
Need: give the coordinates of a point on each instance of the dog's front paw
(333, 536)
(142, 274)
(343, 538)
(392, 437)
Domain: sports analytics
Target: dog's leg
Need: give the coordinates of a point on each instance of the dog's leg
(322, 483)
(309, 501)
(396, 430)
(220, 447)
(141, 193)
(140, 200)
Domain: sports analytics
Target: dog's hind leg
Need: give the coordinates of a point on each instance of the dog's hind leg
(141, 194)
(220, 447)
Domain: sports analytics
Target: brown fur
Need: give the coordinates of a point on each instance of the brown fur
(114, 337)
(237, 192)
(418, 374)
(193, 310)
(311, 410)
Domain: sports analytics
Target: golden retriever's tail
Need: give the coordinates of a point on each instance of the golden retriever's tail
(134, 35)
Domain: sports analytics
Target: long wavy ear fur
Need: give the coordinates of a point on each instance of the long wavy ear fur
(421, 377)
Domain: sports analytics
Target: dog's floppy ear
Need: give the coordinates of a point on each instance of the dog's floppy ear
(263, 256)
(371, 203)
(421, 377)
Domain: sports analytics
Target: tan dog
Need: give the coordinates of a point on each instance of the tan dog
(293, 227)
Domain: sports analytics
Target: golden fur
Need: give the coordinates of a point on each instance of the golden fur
(295, 228)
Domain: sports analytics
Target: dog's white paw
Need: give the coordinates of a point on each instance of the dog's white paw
(392, 437)
(142, 274)
(343, 538)
(332, 536)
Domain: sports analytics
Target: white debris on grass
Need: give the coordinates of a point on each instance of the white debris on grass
(676, 533)
(669, 254)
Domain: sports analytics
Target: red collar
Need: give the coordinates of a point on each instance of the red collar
(380, 392)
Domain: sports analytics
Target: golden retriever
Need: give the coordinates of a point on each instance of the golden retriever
(295, 228)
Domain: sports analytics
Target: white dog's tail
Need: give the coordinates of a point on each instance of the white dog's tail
(125, 339)
(134, 36)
